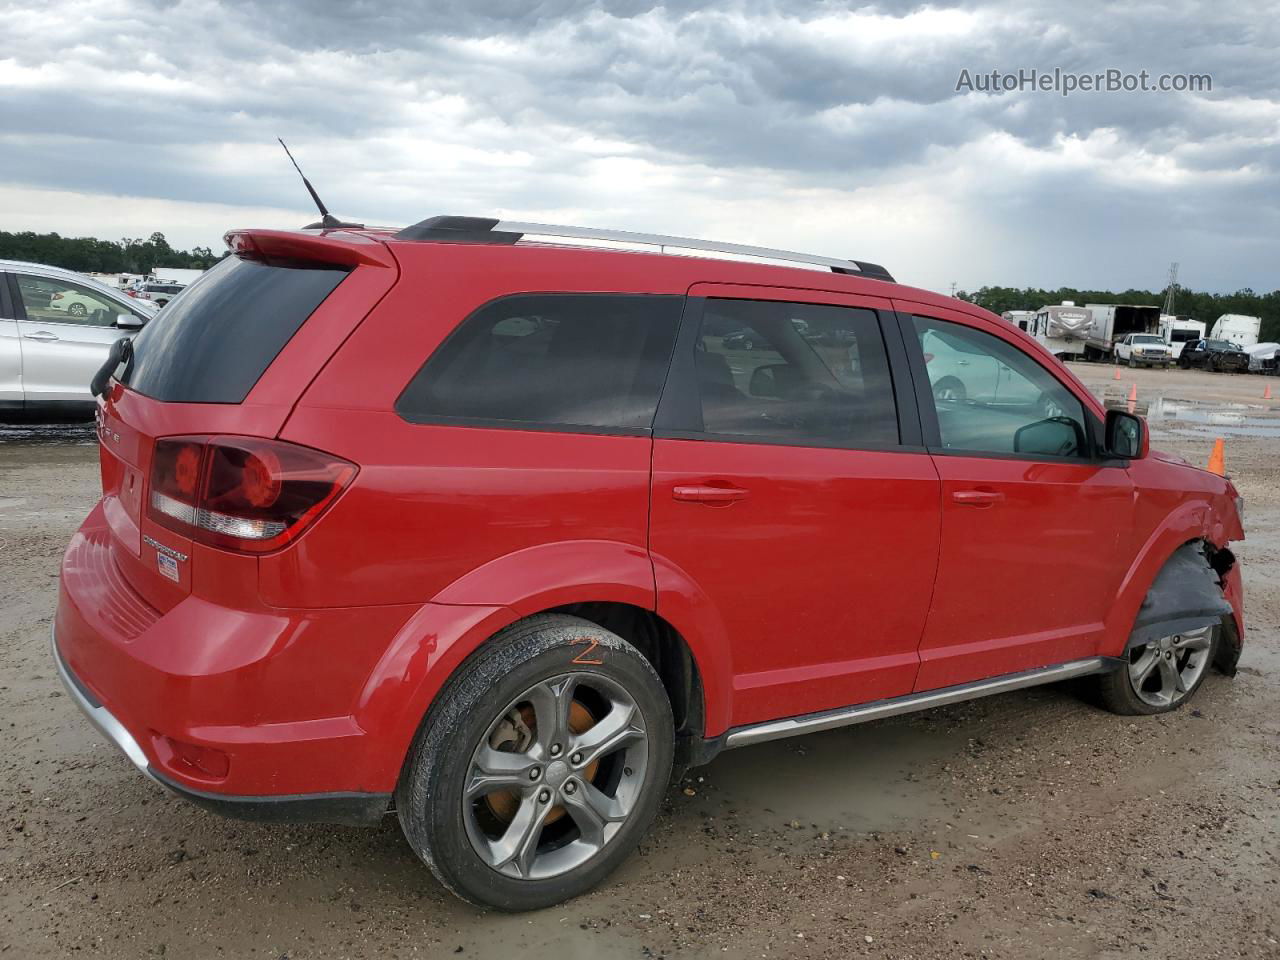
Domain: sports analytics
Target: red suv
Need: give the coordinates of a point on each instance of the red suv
(496, 525)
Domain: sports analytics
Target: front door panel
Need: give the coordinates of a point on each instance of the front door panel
(1034, 527)
(66, 331)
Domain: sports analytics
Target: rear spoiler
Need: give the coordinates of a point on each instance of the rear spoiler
(290, 248)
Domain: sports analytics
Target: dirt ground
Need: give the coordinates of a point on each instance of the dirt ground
(1026, 825)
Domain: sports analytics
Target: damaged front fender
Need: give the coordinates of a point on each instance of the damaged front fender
(1198, 586)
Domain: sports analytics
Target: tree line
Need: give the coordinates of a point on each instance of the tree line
(90, 255)
(1206, 307)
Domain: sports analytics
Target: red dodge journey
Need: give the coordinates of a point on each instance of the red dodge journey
(498, 526)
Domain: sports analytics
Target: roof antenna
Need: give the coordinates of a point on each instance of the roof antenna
(327, 220)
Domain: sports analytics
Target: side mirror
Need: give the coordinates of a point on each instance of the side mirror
(1126, 436)
(1054, 437)
(129, 321)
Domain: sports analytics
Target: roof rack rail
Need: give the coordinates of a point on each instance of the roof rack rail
(489, 230)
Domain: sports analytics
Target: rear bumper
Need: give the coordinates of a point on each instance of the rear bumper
(247, 709)
(349, 808)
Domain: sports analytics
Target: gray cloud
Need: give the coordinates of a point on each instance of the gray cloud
(529, 106)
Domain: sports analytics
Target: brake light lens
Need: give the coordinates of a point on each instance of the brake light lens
(242, 493)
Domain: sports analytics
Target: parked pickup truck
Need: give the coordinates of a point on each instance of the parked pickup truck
(1143, 350)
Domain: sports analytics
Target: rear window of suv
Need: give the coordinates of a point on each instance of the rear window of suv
(213, 343)
(587, 361)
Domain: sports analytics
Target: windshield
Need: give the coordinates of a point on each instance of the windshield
(1220, 345)
(1146, 338)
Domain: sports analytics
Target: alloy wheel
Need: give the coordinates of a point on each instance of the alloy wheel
(1163, 671)
(556, 776)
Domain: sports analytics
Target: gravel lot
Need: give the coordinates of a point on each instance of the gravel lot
(1026, 825)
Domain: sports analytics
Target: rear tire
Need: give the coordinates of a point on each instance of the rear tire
(500, 796)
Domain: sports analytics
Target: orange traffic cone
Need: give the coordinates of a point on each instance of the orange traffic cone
(1133, 394)
(1266, 394)
(1216, 464)
(1117, 376)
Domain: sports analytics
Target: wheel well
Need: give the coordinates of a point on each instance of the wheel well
(663, 647)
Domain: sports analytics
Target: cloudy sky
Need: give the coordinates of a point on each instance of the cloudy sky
(829, 127)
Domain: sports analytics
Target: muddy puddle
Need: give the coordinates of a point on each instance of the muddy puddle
(1198, 418)
(31, 434)
(863, 778)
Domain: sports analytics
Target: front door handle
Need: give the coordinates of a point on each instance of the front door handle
(42, 335)
(977, 498)
(699, 493)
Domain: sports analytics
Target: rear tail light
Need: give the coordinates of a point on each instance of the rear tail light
(242, 493)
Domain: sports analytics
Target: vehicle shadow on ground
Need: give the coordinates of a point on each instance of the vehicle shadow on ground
(245, 885)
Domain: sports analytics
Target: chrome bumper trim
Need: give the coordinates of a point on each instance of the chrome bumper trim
(846, 716)
(98, 715)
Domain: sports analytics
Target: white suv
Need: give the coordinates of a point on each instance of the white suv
(56, 328)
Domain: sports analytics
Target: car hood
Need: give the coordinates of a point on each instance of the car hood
(1165, 457)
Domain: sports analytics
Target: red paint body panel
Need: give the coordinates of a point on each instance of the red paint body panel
(1026, 581)
(821, 576)
(436, 504)
(842, 576)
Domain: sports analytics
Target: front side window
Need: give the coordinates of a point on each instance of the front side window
(990, 397)
(596, 361)
(795, 372)
(58, 301)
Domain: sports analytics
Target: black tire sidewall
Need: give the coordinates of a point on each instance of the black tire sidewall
(429, 798)
(1122, 698)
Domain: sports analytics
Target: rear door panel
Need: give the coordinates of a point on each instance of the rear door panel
(820, 575)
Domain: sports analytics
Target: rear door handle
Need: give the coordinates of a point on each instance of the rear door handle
(41, 335)
(697, 493)
(977, 498)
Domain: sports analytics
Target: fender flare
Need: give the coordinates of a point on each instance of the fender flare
(686, 606)
(1188, 524)
(462, 617)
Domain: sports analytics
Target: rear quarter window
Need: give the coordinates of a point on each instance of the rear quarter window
(590, 361)
(212, 344)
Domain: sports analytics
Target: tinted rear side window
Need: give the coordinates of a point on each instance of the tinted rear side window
(563, 360)
(213, 343)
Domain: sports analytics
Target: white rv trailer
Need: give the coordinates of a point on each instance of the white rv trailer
(1113, 321)
(1237, 328)
(1062, 329)
(1022, 319)
(1178, 331)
